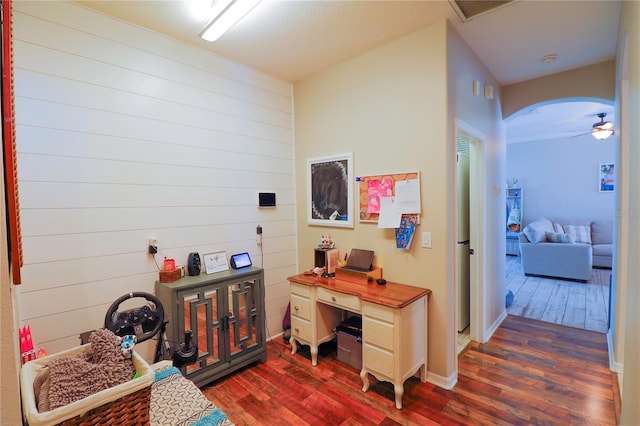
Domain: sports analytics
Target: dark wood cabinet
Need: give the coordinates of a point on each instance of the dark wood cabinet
(225, 312)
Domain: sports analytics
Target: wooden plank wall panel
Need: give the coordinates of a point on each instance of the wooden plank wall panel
(124, 134)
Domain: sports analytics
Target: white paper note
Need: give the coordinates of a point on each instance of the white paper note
(389, 216)
(408, 196)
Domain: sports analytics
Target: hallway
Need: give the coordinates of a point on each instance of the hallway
(569, 303)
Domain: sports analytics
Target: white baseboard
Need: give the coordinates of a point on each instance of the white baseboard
(616, 367)
(441, 381)
(486, 335)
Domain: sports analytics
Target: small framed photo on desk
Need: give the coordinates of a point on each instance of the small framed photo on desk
(215, 262)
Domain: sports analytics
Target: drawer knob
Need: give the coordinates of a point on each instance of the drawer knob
(333, 298)
(296, 307)
(297, 329)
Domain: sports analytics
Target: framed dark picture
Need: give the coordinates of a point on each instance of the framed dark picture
(330, 190)
(607, 179)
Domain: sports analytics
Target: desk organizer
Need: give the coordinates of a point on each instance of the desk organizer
(358, 277)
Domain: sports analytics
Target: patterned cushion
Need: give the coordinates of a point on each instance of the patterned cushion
(580, 234)
(556, 237)
(557, 228)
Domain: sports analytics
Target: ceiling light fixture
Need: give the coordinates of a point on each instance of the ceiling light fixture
(228, 13)
(547, 59)
(603, 129)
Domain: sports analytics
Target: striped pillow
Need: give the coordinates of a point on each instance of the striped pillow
(580, 234)
(556, 237)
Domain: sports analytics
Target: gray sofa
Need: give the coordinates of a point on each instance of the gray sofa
(566, 250)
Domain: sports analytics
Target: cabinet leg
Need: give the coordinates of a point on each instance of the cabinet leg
(294, 346)
(314, 355)
(399, 391)
(364, 376)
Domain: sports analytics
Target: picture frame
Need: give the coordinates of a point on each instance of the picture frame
(330, 190)
(607, 177)
(215, 262)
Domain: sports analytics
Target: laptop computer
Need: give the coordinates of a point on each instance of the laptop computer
(360, 260)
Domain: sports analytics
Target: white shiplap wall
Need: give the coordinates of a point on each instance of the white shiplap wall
(124, 134)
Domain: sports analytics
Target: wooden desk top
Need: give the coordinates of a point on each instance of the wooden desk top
(391, 294)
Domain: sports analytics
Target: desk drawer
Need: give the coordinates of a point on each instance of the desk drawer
(300, 329)
(301, 307)
(378, 333)
(380, 312)
(347, 301)
(377, 360)
(301, 289)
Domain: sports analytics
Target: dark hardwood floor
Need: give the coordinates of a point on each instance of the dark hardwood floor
(530, 372)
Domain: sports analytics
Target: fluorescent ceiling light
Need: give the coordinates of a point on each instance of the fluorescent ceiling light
(228, 13)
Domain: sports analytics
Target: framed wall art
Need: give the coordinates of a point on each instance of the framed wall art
(607, 180)
(330, 190)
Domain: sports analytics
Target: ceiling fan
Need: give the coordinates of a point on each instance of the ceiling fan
(602, 129)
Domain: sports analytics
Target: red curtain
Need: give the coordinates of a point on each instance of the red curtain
(9, 142)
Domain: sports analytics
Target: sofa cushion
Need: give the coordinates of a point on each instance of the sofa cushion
(602, 232)
(602, 249)
(556, 237)
(536, 231)
(580, 234)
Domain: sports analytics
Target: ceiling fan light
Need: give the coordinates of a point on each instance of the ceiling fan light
(602, 133)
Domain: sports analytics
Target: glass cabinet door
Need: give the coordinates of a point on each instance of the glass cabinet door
(244, 333)
(200, 310)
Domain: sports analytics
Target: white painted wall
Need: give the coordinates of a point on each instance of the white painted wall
(560, 177)
(390, 107)
(485, 116)
(124, 134)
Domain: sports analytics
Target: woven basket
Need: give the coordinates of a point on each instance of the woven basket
(124, 404)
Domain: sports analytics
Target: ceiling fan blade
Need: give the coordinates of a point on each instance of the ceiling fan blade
(581, 134)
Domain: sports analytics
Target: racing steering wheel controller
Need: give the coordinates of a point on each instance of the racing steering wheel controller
(144, 323)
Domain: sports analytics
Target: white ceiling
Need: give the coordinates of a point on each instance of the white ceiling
(293, 40)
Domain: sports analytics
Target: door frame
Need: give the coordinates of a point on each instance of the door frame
(477, 196)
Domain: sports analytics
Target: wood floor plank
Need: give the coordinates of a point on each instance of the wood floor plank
(529, 372)
(534, 299)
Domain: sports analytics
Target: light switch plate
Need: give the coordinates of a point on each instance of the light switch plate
(426, 239)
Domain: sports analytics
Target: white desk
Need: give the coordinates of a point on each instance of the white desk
(394, 324)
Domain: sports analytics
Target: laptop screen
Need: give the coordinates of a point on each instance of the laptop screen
(360, 259)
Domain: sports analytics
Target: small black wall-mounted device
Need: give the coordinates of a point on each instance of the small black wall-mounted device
(267, 199)
(241, 260)
(193, 264)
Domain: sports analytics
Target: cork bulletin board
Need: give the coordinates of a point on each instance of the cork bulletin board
(370, 188)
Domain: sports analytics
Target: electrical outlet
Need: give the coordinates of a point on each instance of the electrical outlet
(152, 246)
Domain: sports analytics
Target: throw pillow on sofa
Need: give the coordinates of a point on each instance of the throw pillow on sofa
(536, 231)
(556, 237)
(557, 228)
(580, 234)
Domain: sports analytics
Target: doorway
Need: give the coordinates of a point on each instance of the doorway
(572, 196)
(468, 234)
(463, 247)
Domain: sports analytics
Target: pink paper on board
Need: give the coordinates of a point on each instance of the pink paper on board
(377, 188)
